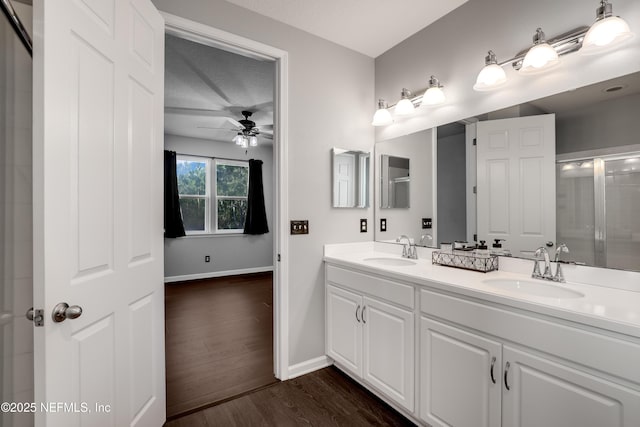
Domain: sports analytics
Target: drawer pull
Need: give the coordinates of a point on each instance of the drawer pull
(493, 362)
(364, 307)
(357, 309)
(506, 373)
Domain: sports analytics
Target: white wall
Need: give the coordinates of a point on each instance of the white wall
(330, 104)
(607, 124)
(16, 220)
(453, 49)
(229, 253)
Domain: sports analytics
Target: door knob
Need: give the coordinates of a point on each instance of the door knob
(29, 314)
(63, 311)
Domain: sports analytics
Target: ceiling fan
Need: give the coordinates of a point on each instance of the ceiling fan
(246, 130)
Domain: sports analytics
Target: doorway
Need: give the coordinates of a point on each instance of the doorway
(224, 264)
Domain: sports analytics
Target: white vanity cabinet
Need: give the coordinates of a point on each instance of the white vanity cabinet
(544, 374)
(460, 381)
(370, 331)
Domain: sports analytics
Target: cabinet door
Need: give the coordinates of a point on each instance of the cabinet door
(545, 393)
(344, 331)
(459, 377)
(389, 350)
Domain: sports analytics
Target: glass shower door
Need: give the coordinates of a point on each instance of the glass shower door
(622, 213)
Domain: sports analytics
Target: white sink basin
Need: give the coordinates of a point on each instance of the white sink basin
(537, 289)
(395, 262)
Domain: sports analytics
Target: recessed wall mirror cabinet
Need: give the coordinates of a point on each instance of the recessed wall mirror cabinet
(350, 178)
(562, 169)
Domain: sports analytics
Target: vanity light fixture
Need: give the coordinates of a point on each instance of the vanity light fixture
(434, 94)
(540, 57)
(491, 76)
(404, 107)
(382, 117)
(606, 32)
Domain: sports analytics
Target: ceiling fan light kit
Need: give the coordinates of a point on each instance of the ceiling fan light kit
(606, 33)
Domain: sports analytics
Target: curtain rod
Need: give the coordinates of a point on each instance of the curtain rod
(211, 157)
(21, 32)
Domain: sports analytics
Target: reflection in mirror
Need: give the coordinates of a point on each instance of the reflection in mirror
(350, 178)
(585, 192)
(394, 182)
(417, 148)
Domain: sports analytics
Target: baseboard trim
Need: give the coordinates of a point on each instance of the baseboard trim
(309, 366)
(212, 274)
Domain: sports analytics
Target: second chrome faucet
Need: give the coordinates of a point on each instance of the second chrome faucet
(541, 252)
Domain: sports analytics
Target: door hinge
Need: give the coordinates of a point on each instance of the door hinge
(278, 258)
(475, 141)
(475, 237)
(475, 189)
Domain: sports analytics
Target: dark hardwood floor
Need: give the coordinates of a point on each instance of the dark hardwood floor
(323, 398)
(219, 339)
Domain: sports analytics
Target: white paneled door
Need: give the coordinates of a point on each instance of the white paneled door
(98, 217)
(516, 195)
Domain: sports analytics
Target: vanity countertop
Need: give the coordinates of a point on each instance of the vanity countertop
(604, 307)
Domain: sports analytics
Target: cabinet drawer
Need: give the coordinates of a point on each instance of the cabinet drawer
(608, 354)
(395, 292)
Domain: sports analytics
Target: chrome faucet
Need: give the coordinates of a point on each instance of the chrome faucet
(429, 238)
(559, 277)
(547, 275)
(542, 251)
(408, 249)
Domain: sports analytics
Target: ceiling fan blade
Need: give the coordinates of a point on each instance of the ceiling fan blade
(266, 127)
(208, 127)
(266, 136)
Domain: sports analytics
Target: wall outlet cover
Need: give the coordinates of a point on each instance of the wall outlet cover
(207, 258)
(300, 226)
(363, 225)
(383, 224)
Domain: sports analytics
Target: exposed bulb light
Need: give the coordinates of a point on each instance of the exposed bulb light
(491, 76)
(541, 57)
(434, 94)
(253, 141)
(608, 31)
(404, 107)
(382, 117)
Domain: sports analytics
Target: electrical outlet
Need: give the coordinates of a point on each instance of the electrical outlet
(427, 223)
(207, 258)
(300, 226)
(363, 225)
(383, 224)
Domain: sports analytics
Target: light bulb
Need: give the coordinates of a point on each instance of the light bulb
(491, 76)
(404, 106)
(238, 139)
(607, 32)
(541, 57)
(434, 95)
(382, 117)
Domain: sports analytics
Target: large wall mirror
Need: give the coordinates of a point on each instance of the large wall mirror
(562, 169)
(350, 178)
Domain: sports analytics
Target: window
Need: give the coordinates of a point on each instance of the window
(212, 202)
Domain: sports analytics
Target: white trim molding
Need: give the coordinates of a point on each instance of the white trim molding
(212, 274)
(230, 42)
(310, 365)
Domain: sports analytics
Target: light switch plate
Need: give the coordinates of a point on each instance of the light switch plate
(300, 226)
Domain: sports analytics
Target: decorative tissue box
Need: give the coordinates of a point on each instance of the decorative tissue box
(468, 261)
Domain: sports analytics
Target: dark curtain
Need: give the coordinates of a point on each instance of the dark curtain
(173, 226)
(256, 219)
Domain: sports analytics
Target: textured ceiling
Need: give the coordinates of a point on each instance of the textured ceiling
(205, 86)
(370, 27)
